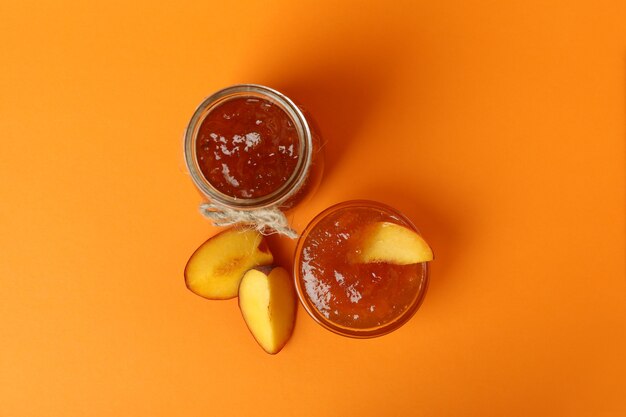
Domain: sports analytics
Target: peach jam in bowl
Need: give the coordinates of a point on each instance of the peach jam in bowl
(351, 298)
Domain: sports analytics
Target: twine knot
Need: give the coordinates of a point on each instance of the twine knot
(267, 221)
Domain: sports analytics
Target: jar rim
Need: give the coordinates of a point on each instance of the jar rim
(305, 142)
(351, 331)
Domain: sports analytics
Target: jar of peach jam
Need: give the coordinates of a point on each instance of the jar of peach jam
(249, 147)
(349, 298)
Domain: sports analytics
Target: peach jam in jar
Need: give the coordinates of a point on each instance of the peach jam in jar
(250, 147)
(351, 298)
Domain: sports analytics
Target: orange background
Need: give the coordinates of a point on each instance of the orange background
(498, 127)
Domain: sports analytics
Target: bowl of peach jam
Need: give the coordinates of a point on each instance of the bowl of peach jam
(358, 269)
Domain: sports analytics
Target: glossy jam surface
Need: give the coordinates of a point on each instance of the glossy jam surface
(348, 294)
(247, 147)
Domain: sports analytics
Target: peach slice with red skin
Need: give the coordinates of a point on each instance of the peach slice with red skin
(215, 269)
(392, 243)
(268, 305)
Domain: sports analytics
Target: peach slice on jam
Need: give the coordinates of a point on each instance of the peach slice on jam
(391, 243)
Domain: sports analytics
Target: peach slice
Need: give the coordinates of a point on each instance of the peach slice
(268, 305)
(216, 267)
(394, 244)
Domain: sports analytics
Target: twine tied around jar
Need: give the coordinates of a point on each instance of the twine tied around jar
(267, 220)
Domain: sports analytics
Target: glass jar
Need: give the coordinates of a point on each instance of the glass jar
(304, 177)
(354, 299)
